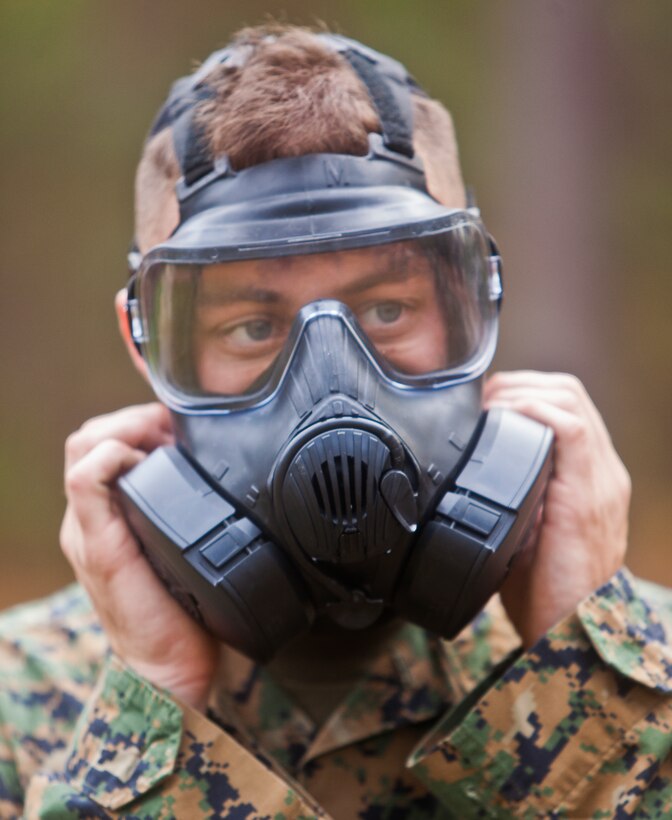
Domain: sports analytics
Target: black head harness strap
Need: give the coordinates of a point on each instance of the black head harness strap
(185, 95)
(388, 83)
(389, 86)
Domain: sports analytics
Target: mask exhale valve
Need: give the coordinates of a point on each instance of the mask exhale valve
(332, 492)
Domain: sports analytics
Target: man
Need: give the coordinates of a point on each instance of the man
(557, 704)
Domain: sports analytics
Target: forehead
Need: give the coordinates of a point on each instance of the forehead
(321, 274)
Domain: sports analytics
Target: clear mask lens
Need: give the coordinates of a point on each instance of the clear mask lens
(424, 307)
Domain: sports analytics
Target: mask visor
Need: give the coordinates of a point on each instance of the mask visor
(221, 334)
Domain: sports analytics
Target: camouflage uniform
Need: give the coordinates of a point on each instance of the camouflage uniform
(580, 726)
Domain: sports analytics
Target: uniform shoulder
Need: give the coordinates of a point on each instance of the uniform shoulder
(55, 635)
(658, 597)
(51, 652)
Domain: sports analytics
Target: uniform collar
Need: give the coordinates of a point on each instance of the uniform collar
(404, 683)
(415, 678)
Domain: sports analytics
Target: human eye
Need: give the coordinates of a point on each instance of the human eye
(251, 332)
(247, 336)
(382, 315)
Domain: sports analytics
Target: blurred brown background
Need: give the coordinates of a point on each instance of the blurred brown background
(564, 116)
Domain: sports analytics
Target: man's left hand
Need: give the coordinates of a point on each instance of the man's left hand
(583, 535)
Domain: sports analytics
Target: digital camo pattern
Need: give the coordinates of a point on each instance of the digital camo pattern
(579, 726)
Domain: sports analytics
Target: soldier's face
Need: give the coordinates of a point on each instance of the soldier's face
(244, 310)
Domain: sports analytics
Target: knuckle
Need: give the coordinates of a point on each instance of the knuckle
(65, 539)
(86, 562)
(75, 445)
(88, 429)
(571, 383)
(497, 380)
(525, 407)
(625, 482)
(113, 451)
(577, 431)
(83, 440)
(83, 473)
(76, 480)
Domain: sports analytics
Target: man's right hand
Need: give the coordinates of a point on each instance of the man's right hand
(146, 627)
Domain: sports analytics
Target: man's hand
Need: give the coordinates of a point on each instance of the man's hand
(146, 627)
(584, 530)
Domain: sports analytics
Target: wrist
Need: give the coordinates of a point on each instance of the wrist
(192, 690)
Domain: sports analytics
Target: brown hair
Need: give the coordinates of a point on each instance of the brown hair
(291, 96)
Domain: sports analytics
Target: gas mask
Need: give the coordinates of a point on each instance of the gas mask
(319, 327)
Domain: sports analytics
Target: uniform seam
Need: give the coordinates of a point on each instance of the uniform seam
(107, 687)
(566, 797)
(540, 803)
(621, 739)
(647, 679)
(591, 611)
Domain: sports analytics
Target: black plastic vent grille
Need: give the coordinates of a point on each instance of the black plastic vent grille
(331, 496)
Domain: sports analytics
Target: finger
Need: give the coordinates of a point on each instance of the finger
(574, 448)
(562, 389)
(143, 427)
(88, 483)
(70, 533)
(527, 377)
(530, 379)
(559, 396)
(583, 446)
(501, 383)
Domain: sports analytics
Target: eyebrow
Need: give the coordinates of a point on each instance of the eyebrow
(225, 295)
(244, 294)
(379, 278)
